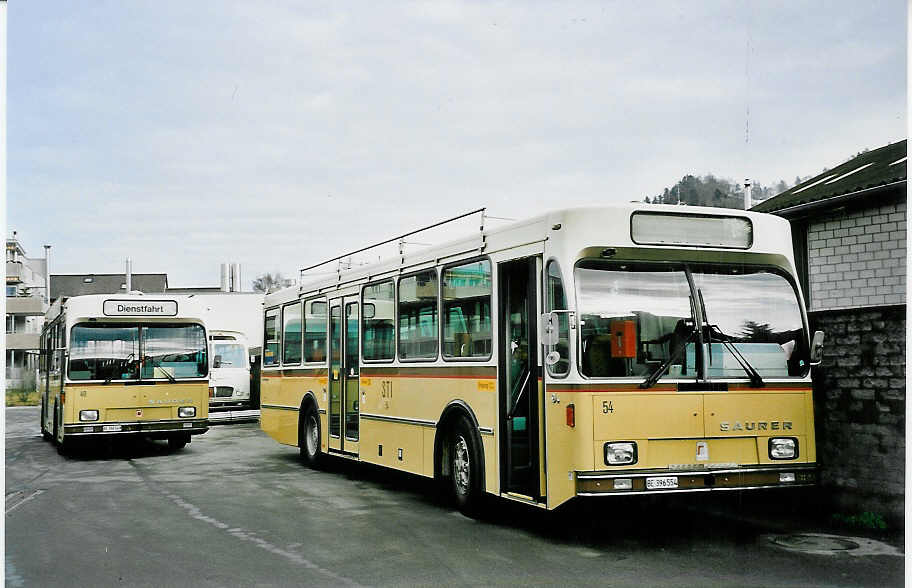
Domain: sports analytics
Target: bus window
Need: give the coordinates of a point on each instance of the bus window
(291, 333)
(271, 338)
(379, 341)
(174, 351)
(467, 310)
(418, 316)
(634, 317)
(102, 352)
(557, 301)
(315, 331)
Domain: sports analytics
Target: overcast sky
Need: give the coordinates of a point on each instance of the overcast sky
(185, 134)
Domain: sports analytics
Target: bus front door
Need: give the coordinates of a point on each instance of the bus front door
(520, 377)
(344, 378)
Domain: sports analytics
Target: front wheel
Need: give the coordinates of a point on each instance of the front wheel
(466, 469)
(309, 438)
(178, 443)
(45, 434)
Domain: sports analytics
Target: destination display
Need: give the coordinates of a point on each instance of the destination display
(140, 308)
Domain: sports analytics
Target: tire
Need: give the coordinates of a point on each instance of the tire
(64, 447)
(45, 434)
(309, 436)
(178, 443)
(466, 470)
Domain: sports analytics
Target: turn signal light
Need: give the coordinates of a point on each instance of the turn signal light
(211, 392)
(571, 415)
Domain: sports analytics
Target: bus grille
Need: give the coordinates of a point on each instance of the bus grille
(223, 391)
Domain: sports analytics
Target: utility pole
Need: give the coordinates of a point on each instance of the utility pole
(747, 193)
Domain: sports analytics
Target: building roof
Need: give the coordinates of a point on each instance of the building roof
(68, 285)
(868, 173)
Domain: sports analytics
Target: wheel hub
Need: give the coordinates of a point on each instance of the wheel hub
(461, 465)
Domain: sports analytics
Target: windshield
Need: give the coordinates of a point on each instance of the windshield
(632, 318)
(757, 310)
(231, 355)
(177, 351)
(636, 316)
(121, 352)
(104, 352)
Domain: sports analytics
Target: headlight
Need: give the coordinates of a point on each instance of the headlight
(783, 448)
(620, 453)
(186, 411)
(88, 415)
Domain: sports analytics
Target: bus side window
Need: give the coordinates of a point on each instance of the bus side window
(467, 310)
(557, 301)
(315, 331)
(271, 338)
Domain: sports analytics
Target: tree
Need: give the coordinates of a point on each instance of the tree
(756, 332)
(268, 282)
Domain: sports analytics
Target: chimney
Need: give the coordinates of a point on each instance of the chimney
(47, 274)
(225, 278)
(129, 275)
(235, 277)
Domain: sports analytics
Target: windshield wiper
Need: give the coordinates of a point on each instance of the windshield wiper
(650, 381)
(715, 332)
(121, 362)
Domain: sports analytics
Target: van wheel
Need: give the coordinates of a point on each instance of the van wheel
(466, 471)
(309, 437)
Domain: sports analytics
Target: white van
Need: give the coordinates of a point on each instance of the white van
(229, 376)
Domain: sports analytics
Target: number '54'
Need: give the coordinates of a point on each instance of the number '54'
(607, 406)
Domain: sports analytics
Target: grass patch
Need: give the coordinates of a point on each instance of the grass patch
(21, 397)
(865, 520)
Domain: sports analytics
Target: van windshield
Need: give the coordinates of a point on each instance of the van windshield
(230, 355)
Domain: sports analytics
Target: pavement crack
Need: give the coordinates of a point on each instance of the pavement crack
(239, 533)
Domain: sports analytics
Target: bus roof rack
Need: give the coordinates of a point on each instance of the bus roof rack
(399, 238)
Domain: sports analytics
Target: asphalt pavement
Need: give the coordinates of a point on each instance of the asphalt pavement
(234, 508)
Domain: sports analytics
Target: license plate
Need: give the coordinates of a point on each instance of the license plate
(188, 425)
(110, 428)
(661, 483)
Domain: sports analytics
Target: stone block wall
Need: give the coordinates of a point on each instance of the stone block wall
(858, 258)
(860, 407)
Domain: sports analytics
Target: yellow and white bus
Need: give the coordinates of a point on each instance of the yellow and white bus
(124, 365)
(586, 352)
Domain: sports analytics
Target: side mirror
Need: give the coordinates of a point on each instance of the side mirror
(217, 362)
(548, 328)
(817, 348)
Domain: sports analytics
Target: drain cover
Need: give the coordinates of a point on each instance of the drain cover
(814, 543)
(822, 544)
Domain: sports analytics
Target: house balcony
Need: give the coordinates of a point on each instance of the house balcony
(13, 272)
(25, 305)
(23, 341)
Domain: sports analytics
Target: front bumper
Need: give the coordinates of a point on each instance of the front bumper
(696, 480)
(190, 426)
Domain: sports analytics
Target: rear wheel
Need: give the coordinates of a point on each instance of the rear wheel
(309, 437)
(466, 471)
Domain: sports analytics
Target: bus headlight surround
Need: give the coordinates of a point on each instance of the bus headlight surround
(88, 415)
(186, 412)
(620, 453)
(783, 448)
